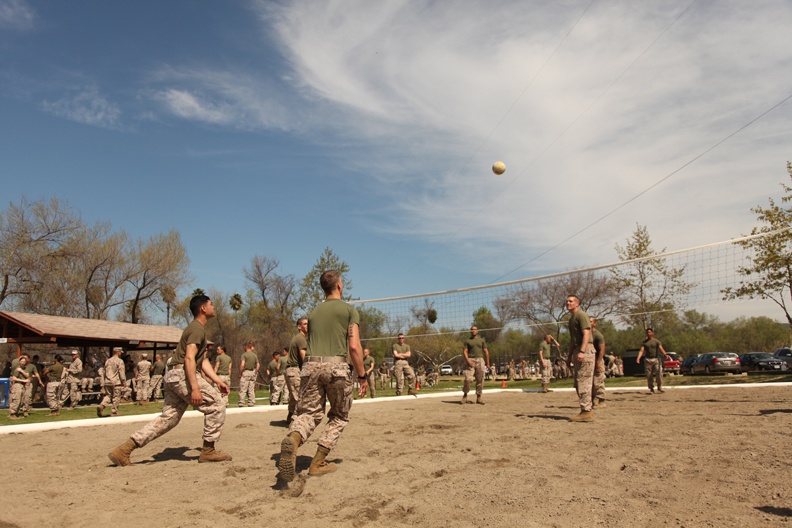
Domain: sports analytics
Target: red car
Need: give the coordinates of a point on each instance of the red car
(672, 363)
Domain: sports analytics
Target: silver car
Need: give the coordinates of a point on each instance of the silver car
(713, 362)
(785, 355)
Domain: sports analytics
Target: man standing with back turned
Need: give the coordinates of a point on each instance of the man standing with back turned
(183, 386)
(332, 332)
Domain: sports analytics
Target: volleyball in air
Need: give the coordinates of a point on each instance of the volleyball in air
(498, 167)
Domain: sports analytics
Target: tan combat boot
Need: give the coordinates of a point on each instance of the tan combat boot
(584, 416)
(210, 454)
(319, 466)
(464, 399)
(120, 455)
(412, 392)
(480, 400)
(99, 410)
(287, 464)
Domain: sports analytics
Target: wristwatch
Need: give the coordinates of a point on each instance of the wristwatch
(361, 378)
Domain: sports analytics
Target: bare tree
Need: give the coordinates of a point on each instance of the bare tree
(541, 303)
(32, 235)
(156, 263)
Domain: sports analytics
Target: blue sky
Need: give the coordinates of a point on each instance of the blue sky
(280, 128)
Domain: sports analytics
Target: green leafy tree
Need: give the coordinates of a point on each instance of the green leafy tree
(489, 326)
(648, 286)
(310, 292)
(769, 272)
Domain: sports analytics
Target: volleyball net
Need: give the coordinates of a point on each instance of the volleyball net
(691, 278)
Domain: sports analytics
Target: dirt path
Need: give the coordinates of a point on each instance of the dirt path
(689, 457)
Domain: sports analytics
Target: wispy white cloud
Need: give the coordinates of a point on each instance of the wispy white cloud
(438, 91)
(87, 106)
(16, 14)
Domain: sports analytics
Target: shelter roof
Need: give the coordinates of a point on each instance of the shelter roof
(23, 328)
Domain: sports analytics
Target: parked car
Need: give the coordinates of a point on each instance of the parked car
(785, 355)
(753, 361)
(713, 362)
(687, 365)
(446, 370)
(672, 363)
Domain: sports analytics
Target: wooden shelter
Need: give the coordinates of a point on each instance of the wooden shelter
(69, 332)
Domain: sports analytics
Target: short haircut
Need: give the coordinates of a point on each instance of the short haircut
(276, 353)
(220, 347)
(58, 358)
(197, 302)
(329, 280)
(650, 329)
(575, 296)
(301, 319)
(250, 344)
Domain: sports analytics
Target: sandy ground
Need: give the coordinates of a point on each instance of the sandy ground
(689, 457)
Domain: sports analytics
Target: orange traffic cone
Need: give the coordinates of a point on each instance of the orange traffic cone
(417, 385)
(503, 384)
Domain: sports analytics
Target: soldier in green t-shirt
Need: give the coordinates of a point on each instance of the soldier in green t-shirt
(276, 378)
(249, 367)
(476, 357)
(651, 351)
(298, 347)
(401, 366)
(598, 388)
(157, 372)
(54, 374)
(581, 356)
(368, 364)
(545, 363)
(333, 332)
(184, 387)
(223, 368)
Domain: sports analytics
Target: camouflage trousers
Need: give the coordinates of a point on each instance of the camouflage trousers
(276, 389)
(27, 399)
(654, 372)
(400, 369)
(126, 390)
(584, 377)
(16, 399)
(177, 399)
(320, 383)
(247, 388)
(384, 378)
(142, 389)
(53, 398)
(72, 391)
(155, 388)
(372, 389)
(476, 372)
(547, 371)
(225, 378)
(598, 386)
(111, 395)
(292, 376)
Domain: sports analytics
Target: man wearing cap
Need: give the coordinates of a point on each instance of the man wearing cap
(401, 353)
(54, 373)
(333, 332)
(113, 383)
(157, 371)
(73, 381)
(142, 380)
(223, 368)
(184, 387)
